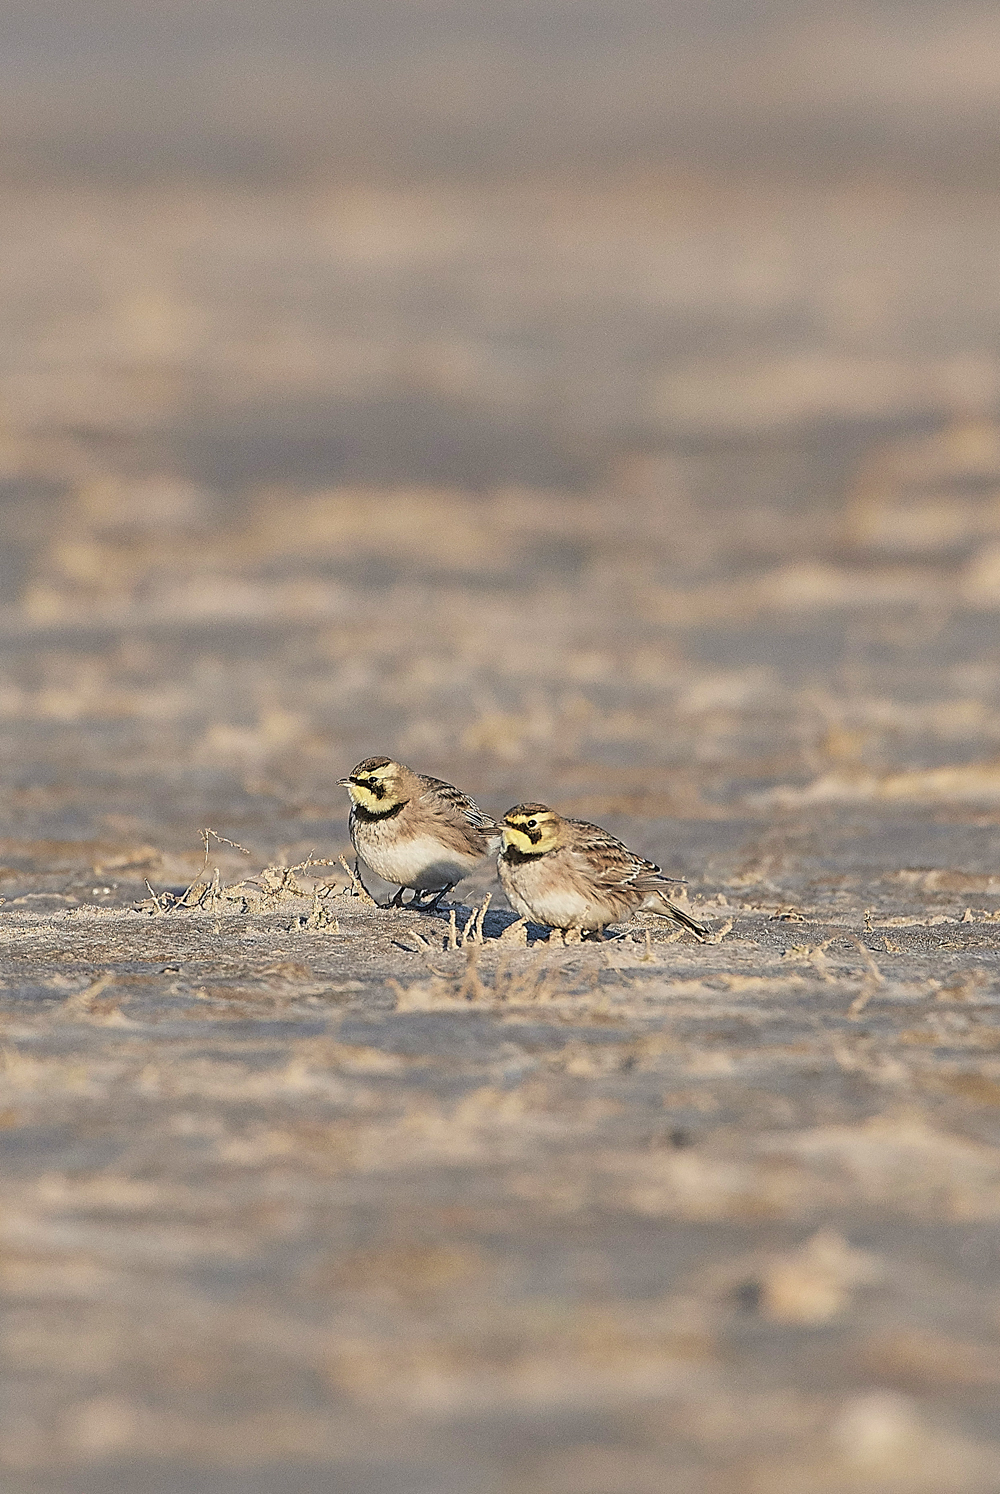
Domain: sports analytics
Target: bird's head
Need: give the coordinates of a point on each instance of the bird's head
(377, 785)
(532, 829)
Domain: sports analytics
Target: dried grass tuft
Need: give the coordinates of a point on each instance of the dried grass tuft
(514, 981)
(272, 886)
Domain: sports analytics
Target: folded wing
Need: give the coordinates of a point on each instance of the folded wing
(614, 867)
(446, 797)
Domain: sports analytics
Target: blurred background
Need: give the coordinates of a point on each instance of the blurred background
(566, 381)
(586, 401)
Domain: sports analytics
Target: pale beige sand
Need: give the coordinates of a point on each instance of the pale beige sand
(671, 504)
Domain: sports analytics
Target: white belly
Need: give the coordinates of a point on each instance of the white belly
(559, 907)
(420, 861)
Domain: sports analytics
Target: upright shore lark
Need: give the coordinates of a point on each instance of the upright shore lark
(417, 831)
(572, 875)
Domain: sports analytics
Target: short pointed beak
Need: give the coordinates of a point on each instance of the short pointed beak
(345, 782)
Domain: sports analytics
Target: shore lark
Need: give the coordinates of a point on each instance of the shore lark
(572, 875)
(417, 831)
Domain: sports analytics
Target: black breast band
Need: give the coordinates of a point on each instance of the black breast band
(367, 816)
(518, 858)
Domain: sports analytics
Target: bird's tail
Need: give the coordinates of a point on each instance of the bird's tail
(671, 910)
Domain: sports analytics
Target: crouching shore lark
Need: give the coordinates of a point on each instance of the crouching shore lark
(417, 831)
(572, 875)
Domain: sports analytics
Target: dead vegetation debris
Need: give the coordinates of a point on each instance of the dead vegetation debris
(271, 887)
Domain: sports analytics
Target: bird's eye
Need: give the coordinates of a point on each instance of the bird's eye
(532, 824)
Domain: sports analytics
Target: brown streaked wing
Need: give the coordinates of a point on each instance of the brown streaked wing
(612, 863)
(446, 794)
(620, 871)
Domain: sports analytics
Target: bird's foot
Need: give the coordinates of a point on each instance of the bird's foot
(426, 899)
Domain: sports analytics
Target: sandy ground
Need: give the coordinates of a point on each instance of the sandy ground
(673, 508)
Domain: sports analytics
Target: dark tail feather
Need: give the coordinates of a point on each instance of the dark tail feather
(671, 910)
